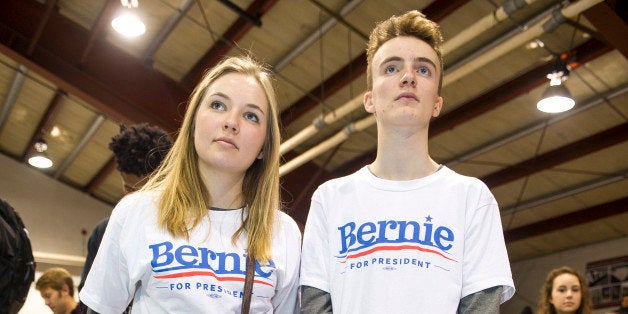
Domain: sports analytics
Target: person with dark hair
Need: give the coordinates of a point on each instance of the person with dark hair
(565, 291)
(57, 289)
(17, 265)
(206, 233)
(404, 234)
(138, 151)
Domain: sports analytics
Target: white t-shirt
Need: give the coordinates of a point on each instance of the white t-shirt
(418, 246)
(141, 262)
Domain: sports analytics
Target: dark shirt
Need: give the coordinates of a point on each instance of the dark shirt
(92, 248)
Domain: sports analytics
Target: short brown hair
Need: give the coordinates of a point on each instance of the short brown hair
(55, 278)
(413, 24)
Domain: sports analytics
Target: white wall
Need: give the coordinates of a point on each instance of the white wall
(53, 212)
(530, 274)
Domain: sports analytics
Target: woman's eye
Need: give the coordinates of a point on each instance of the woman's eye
(251, 116)
(217, 105)
(390, 69)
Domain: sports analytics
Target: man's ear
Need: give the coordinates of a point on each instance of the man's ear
(368, 102)
(65, 290)
(437, 106)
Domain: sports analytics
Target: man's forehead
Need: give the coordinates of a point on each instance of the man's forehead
(405, 47)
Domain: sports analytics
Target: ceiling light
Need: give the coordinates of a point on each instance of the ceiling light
(40, 158)
(128, 24)
(556, 97)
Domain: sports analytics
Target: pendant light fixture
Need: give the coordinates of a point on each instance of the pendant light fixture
(556, 97)
(40, 158)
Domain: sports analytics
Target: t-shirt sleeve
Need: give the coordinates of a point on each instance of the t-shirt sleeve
(285, 298)
(486, 261)
(107, 288)
(314, 258)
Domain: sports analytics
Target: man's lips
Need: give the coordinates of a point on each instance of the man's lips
(407, 96)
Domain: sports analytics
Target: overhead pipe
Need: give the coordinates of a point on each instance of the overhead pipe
(314, 36)
(606, 180)
(319, 123)
(14, 91)
(538, 126)
(504, 11)
(327, 144)
(547, 25)
(180, 12)
(501, 49)
(100, 119)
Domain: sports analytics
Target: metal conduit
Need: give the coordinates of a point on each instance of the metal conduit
(14, 90)
(538, 126)
(314, 36)
(327, 144)
(500, 50)
(501, 13)
(100, 119)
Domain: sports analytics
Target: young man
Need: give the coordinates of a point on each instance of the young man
(404, 234)
(57, 290)
(139, 150)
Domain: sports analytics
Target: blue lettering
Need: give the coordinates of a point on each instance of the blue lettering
(166, 253)
(346, 240)
(443, 233)
(390, 231)
(183, 251)
(365, 230)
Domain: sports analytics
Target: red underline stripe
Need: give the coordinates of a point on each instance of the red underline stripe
(208, 273)
(397, 248)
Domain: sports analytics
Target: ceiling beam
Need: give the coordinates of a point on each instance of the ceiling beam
(610, 26)
(221, 47)
(583, 216)
(436, 11)
(571, 151)
(587, 52)
(102, 23)
(114, 82)
(44, 123)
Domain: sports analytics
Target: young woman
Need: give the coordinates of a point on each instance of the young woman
(181, 243)
(565, 292)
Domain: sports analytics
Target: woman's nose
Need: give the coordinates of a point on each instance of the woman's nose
(231, 125)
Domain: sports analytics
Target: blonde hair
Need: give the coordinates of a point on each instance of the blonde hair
(545, 307)
(412, 23)
(185, 199)
(55, 278)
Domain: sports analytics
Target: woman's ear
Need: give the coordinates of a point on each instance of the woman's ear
(368, 102)
(261, 155)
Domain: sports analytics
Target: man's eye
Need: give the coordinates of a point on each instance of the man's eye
(217, 105)
(424, 71)
(251, 116)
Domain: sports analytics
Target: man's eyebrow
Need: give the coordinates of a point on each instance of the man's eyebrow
(393, 58)
(426, 60)
(416, 60)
